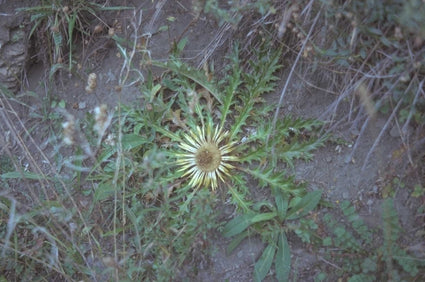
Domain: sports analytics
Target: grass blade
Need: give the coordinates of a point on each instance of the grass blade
(22, 175)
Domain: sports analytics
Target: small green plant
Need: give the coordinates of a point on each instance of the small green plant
(272, 221)
(193, 133)
(362, 256)
(57, 24)
(242, 110)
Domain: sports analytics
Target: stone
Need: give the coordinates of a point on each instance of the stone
(3, 72)
(13, 51)
(82, 105)
(395, 131)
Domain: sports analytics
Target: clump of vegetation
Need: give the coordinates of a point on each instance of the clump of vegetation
(184, 118)
(380, 49)
(361, 253)
(59, 25)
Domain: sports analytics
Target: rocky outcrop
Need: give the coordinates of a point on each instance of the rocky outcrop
(13, 47)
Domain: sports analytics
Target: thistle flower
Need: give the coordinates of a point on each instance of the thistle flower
(206, 159)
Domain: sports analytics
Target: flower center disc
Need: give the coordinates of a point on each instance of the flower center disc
(208, 157)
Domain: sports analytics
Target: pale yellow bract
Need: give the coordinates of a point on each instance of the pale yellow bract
(206, 160)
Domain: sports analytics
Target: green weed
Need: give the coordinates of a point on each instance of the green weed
(360, 253)
(185, 98)
(58, 25)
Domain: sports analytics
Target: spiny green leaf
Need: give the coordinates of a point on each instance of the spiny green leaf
(257, 81)
(289, 125)
(283, 258)
(244, 113)
(264, 263)
(233, 81)
(305, 205)
(297, 150)
(238, 192)
(167, 133)
(184, 208)
(257, 155)
(191, 73)
(276, 180)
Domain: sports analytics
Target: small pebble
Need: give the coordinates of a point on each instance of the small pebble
(82, 105)
(395, 132)
(355, 132)
(347, 158)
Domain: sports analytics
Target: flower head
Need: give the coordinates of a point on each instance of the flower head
(206, 159)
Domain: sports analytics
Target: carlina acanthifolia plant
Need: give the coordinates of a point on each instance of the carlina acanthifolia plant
(219, 139)
(194, 136)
